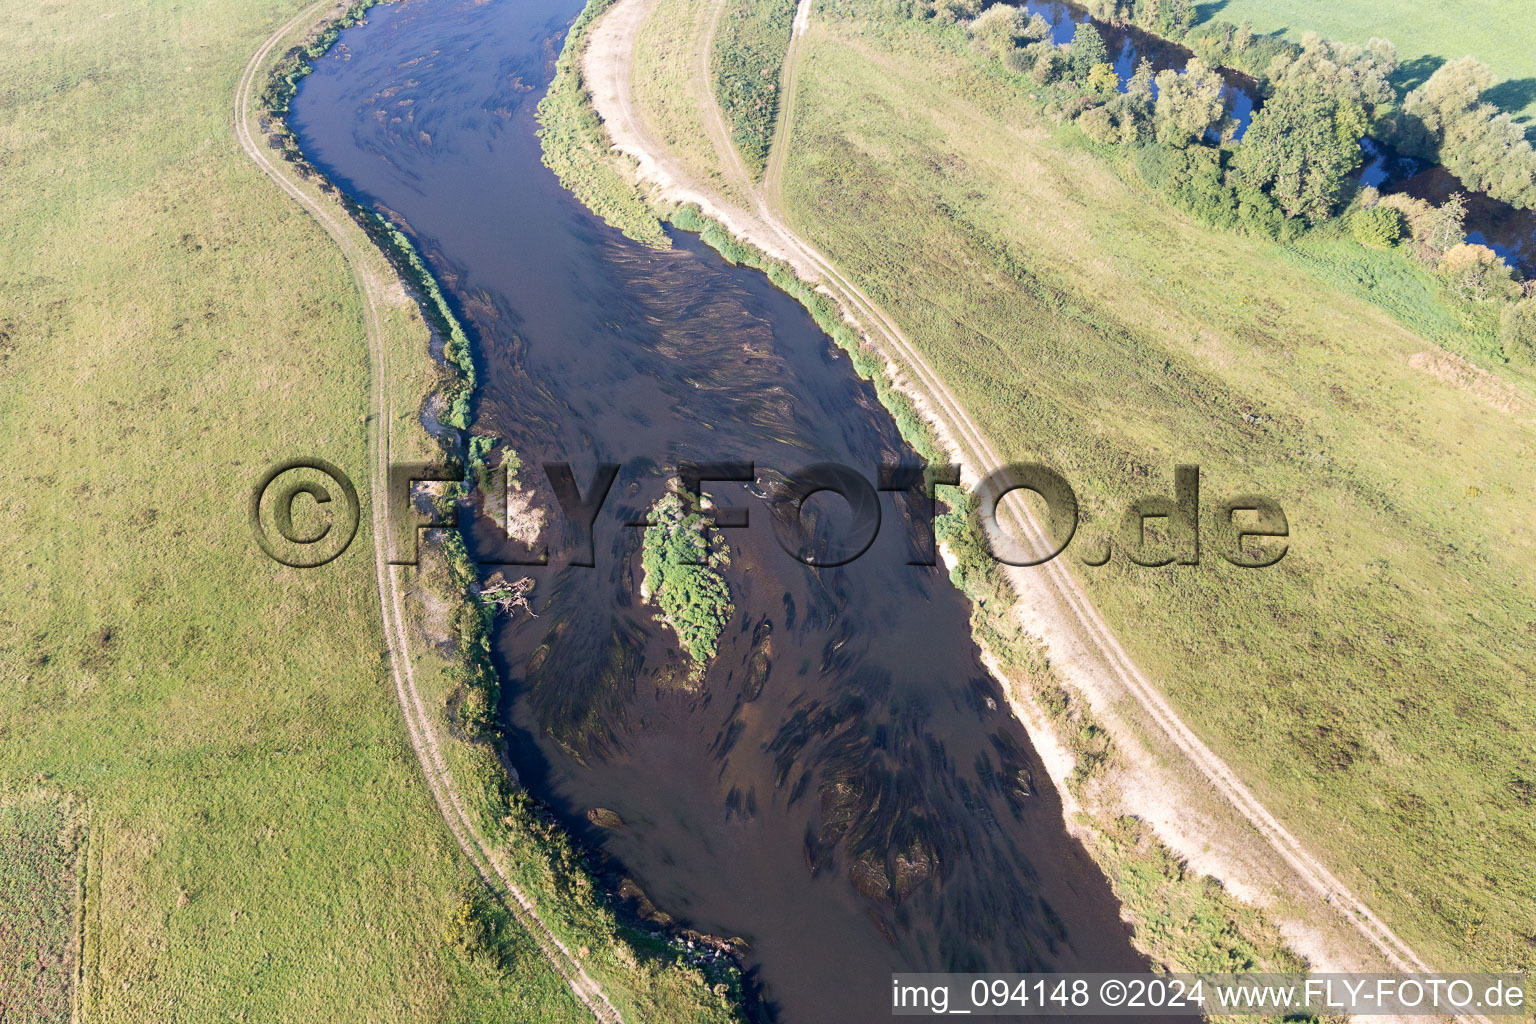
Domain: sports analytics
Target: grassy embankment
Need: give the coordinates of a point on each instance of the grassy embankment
(671, 83)
(1496, 32)
(746, 63)
(1374, 686)
(260, 839)
(644, 976)
(575, 145)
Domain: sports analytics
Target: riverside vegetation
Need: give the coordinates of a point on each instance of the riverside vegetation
(1088, 325)
(1370, 687)
(1427, 35)
(1184, 920)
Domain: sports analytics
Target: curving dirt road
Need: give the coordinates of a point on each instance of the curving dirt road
(420, 723)
(1078, 638)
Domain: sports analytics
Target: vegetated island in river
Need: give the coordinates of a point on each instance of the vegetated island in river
(683, 580)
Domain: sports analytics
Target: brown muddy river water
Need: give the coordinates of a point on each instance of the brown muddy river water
(845, 789)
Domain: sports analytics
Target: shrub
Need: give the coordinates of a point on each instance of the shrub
(1379, 226)
(1099, 125)
(746, 62)
(997, 29)
(1049, 63)
(950, 11)
(1517, 331)
(1476, 273)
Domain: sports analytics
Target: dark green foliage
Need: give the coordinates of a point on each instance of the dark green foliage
(1302, 148)
(681, 576)
(298, 62)
(746, 62)
(1380, 226)
(459, 391)
(1194, 180)
(1517, 331)
(1087, 50)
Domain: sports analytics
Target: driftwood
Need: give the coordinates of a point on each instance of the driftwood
(509, 596)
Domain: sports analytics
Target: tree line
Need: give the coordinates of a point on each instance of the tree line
(1295, 166)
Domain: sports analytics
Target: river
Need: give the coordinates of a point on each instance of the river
(845, 789)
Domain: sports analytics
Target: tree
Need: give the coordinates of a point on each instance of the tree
(1102, 78)
(1037, 30)
(1168, 18)
(1188, 104)
(1116, 12)
(1377, 226)
(1445, 227)
(1476, 272)
(1049, 63)
(1140, 89)
(1444, 119)
(1302, 147)
(1088, 49)
(1349, 74)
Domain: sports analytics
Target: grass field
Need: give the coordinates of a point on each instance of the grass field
(39, 880)
(1496, 32)
(1374, 687)
(262, 846)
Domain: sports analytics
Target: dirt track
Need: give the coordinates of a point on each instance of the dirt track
(1255, 854)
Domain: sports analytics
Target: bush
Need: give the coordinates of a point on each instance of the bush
(997, 29)
(1099, 126)
(1379, 226)
(1517, 332)
(1476, 273)
(1049, 63)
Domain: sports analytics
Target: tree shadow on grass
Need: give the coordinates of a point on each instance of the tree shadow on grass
(1206, 11)
(1515, 96)
(1411, 74)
